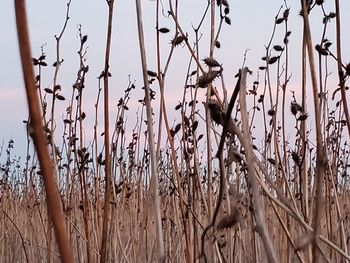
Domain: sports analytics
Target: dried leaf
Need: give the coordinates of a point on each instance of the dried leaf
(278, 48)
(286, 14)
(68, 121)
(151, 74)
(84, 39)
(187, 121)
(273, 60)
(272, 161)
(60, 97)
(35, 61)
(164, 30)
(332, 15)
(194, 125)
(279, 20)
(226, 10)
(177, 107)
(177, 128)
(192, 102)
(48, 90)
(193, 73)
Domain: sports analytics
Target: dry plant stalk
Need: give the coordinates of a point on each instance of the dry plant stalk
(320, 152)
(256, 196)
(154, 195)
(108, 176)
(279, 194)
(37, 132)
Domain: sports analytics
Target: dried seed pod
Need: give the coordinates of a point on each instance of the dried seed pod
(322, 51)
(296, 157)
(303, 117)
(210, 62)
(271, 112)
(207, 78)
(293, 109)
(178, 40)
(216, 112)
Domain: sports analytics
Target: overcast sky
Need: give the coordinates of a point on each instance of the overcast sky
(251, 26)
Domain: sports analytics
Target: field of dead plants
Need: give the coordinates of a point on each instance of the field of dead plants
(244, 169)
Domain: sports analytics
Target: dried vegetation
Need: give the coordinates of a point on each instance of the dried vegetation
(208, 190)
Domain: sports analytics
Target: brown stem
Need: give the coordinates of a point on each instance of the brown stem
(37, 132)
(106, 212)
(257, 201)
(320, 155)
(339, 64)
(154, 176)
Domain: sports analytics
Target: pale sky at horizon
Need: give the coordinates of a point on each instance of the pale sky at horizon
(252, 23)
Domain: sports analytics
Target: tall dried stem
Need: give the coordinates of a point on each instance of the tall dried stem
(320, 153)
(37, 132)
(108, 177)
(256, 196)
(154, 173)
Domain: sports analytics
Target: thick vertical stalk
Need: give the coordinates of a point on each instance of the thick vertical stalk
(207, 115)
(37, 132)
(261, 226)
(154, 175)
(343, 95)
(106, 212)
(339, 64)
(320, 155)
